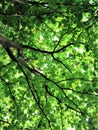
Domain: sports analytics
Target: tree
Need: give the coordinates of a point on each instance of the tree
(49, 65)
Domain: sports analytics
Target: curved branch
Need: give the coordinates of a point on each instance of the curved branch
(9, 44)
(62, 63)
(4, 121)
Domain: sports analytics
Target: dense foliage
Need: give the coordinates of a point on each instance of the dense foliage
(49, 65)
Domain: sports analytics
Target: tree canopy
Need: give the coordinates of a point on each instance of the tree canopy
(49, 65)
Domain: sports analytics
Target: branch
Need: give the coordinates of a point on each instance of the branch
(9, 44)
(3, 66)
(4, 121)
(47, 52)
(6, 43)
(80, 92)
(37, 101)
(78, 78)
(62, 63)
(62, 48)
(10, 54)
(46, 87)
